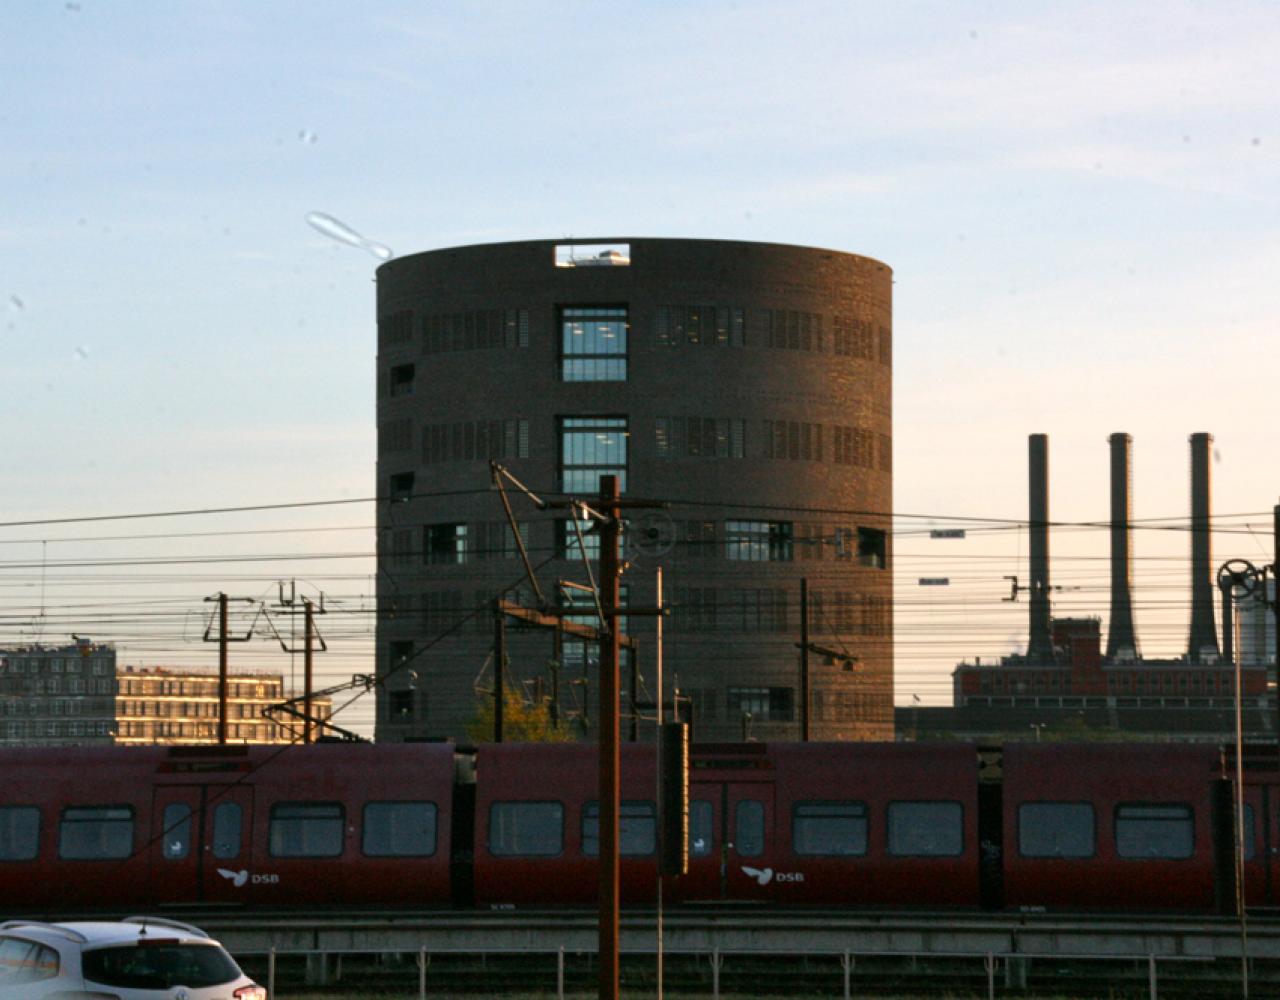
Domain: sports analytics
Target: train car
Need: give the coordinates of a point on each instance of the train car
(871, 825)
(875, 825)
(537, 824)
(85, 829)
(71, 828)
(1066, 827)
(1096, 827)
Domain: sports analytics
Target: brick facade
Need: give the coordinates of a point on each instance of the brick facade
(757, 400)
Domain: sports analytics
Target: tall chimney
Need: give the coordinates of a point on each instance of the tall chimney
(1202, 646)
(1040, 647)
(1122, 644)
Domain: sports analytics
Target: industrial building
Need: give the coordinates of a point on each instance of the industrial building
(73, 694)
(1065, 679)
(745, 385)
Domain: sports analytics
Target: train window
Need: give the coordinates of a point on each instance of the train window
(306, 830)
(526, 828)
(637, 826)
(92, 832)
(1154, 831)
(1056, 830)
(226, 830)
(829, 828)
(926, 829)
(176, 831)
(399, 829)
(700, 832)
(749, 828)
(19, 833)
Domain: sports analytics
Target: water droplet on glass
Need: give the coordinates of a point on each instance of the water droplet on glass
(72, 6)
(1256, 141)
(82, 353)
(307, 136)
(340, 231)
(17, 302)
(1217, 455)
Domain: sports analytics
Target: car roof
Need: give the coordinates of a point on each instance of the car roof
(94, 933)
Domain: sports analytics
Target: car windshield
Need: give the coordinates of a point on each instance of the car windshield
(160, 966)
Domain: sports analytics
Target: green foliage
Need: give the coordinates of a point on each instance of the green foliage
(523, 721)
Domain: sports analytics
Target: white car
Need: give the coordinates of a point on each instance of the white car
(139, 958)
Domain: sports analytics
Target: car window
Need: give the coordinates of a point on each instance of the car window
(25, 962)
(159, 966)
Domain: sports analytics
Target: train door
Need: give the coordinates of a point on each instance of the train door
(199, 843)
(173, 843)
(228, 844)
(747, 850)
(730, 841)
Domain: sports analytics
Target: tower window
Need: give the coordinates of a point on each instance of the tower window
(758, 541)
(445, 543)
(593, 343)
(402, 380)
(591, 447)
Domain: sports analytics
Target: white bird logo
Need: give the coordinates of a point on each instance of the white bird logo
(237, 878)
(762, 876)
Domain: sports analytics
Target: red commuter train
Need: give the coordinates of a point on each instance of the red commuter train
(1063, 827)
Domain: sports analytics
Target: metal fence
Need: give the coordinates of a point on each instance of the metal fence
(1005, 973)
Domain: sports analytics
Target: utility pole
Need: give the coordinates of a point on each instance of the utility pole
(499, 666)
(222, 640)
(804, 659)
(308, 621)
(610, 766)
(1275, 607)
(806, 646)
(310, 635)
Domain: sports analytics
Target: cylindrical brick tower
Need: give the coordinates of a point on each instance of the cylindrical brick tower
(746, 385)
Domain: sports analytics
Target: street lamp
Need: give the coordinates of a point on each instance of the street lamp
(1037, 726)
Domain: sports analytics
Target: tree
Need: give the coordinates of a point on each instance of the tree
(523, 721)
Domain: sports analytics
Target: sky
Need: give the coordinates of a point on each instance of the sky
(1080, 202)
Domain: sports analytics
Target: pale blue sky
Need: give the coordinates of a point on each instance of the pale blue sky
(1079, 200)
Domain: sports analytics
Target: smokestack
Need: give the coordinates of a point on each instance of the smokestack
(1122, 644)
(1041, 645)
(1202, 646)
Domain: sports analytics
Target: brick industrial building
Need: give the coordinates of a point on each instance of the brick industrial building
(747, 384)
(1066, 678)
